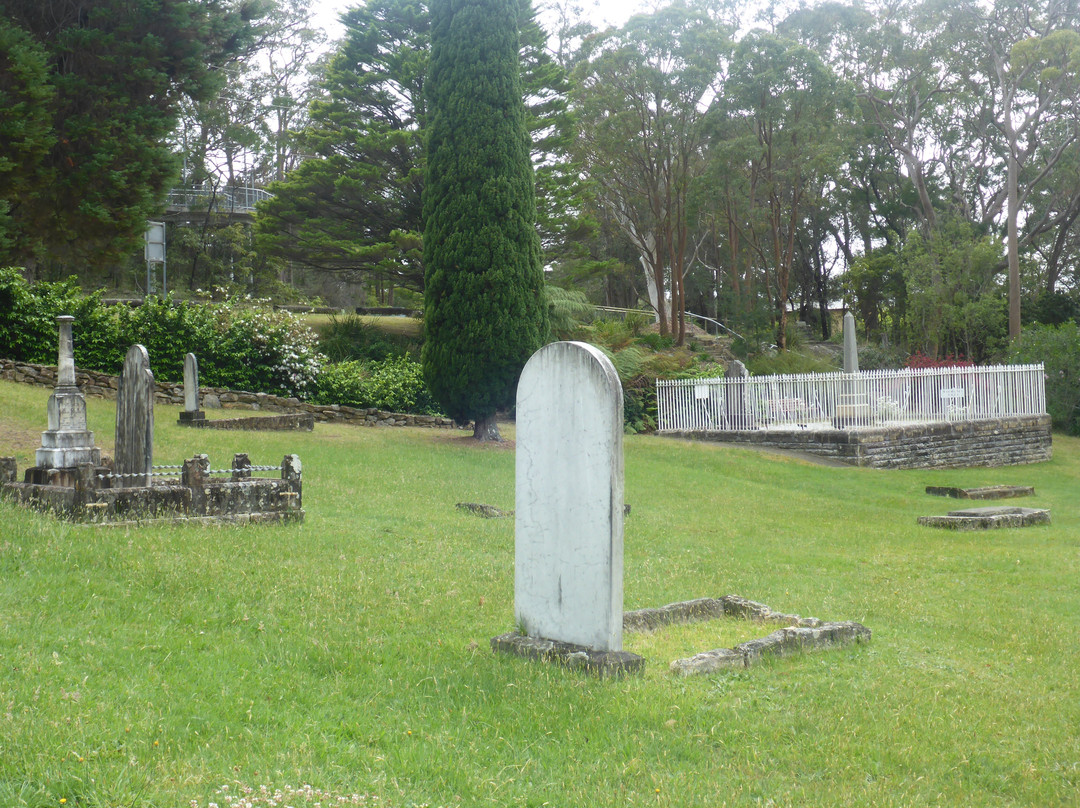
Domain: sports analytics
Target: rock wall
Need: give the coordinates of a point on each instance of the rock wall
(104, 386)
(957, 444)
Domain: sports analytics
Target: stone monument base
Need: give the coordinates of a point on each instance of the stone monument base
(186, 417)
(602, 663)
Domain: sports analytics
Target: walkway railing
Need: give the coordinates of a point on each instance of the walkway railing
(227, 199)
(851, 400)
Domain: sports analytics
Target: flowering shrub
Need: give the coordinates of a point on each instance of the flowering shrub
(243, 347)
(272, 350)
(921, 360)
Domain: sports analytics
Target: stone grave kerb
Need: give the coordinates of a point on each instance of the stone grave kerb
(568, 557)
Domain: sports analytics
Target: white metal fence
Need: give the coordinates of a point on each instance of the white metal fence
(851, 400)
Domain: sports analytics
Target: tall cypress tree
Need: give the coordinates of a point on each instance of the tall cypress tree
(483, 309)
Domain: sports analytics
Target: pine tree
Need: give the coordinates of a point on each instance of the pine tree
(484, 314)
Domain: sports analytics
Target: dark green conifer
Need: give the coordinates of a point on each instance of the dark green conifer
(484, 314)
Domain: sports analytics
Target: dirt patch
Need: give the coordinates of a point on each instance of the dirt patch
(15, 442)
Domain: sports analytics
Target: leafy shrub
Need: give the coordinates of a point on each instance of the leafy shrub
(655, 341)
(344, 383)
(273, 349)
(349, 337)
(783, 362)
(241, 347)
(398, 385)
(1058, 348)
(395, 384)
(881, 357)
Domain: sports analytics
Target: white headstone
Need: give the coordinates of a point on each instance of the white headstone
(569, 501)
(134, 452)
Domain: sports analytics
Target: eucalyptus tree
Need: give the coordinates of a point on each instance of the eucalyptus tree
(1034, 81)
(781, 109)
(642, 93)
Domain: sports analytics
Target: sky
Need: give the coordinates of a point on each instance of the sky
(600, 12)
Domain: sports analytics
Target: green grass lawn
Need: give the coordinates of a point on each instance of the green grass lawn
(404, 326)
(175, 666)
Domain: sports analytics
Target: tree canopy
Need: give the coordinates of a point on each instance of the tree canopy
(99, 87)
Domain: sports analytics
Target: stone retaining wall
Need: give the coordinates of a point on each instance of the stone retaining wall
(957, 444)
(103, 385)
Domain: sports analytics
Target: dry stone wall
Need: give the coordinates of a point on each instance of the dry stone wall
(104, 385)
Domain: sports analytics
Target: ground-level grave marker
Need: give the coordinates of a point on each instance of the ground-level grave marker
(988, 518)
(796, 635)
(982, 492)
(568, 590)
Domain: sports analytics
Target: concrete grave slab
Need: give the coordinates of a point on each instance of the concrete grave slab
(982, 492)
(988, 518)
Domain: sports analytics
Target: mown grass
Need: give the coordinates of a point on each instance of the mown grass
(403, 326)
(152, 666)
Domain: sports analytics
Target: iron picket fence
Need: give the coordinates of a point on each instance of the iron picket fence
(871, 398)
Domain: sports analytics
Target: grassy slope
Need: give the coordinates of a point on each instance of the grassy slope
(151, 666)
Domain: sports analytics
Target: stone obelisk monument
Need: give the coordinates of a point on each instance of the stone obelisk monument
(67, 443)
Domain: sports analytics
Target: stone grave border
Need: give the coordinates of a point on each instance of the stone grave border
(987, 517)
(797, 634)
(196, 497)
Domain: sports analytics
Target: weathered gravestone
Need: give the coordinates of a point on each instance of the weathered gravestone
(133, 456)
(737, 412)
(191, 391)
(67, 443)
(568, 592)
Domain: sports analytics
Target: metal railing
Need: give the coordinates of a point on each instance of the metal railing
(851, 400)
(707, 321)
(228, 199)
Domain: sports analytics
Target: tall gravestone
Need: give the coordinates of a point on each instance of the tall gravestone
(737, 411)
(191, 411)
(851, 348)
(67, 443)
(568, 594)
(853, 406)
(134, 452)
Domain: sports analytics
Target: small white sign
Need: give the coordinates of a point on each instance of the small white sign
(155, 242)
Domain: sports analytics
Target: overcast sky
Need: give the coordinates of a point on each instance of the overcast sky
(601, 12)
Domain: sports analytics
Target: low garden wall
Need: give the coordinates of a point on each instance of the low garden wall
(104, 385)
(956, 444)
